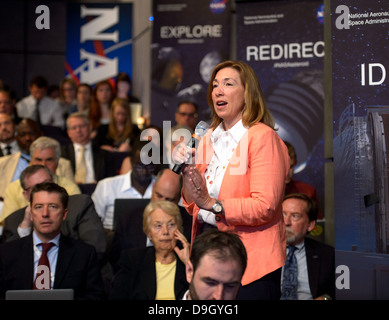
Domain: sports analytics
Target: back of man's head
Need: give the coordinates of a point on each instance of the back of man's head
(223, 246)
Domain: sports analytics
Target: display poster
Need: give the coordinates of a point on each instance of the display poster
(189, 38)
(99, 41)
(360, 98)
(287, 54)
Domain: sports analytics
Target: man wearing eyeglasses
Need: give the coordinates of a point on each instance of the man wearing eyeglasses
(187, 114)
(137, 184)
(95, 160)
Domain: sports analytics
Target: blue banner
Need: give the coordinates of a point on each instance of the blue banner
(99, 41)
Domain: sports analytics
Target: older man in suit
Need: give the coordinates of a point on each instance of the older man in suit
(315, 261)
(8, 142)
(71, 263)
(95, 160)
(45, 151)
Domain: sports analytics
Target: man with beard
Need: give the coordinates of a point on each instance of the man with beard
(216, 266)
(315, 261)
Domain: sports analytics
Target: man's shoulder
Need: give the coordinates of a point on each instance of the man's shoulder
(318, 245)
(12, 247)
(9, 158)
(113, 179)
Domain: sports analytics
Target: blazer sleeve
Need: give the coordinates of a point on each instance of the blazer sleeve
(87, 223)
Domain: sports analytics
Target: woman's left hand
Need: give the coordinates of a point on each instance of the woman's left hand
(183, 253)
(197, 187)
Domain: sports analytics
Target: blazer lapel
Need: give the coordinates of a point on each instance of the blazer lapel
(72, 156)
(149, 269)
(27, 263)
(65, 256)
(313, 265)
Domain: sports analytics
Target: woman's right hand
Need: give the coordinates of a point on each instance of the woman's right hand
(183, 253)
(182, 153)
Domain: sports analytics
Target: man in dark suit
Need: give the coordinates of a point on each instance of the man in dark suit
(128, 227)
(82, 221)
(72, 263)
(97, 166)
(315, 260)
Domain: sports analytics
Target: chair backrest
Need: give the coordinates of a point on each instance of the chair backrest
(133, 207)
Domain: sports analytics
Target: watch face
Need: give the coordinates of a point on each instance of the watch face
(217, 207)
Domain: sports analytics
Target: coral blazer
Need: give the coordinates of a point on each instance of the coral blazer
(252, 191)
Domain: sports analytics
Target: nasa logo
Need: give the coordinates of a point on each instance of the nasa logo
(320, 14)
(218, 6)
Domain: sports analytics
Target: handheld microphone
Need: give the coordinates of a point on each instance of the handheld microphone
(200, 130)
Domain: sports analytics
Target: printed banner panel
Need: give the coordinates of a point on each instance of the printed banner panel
(99, 41)
(287, 54)
(360, 50)
(186, 47)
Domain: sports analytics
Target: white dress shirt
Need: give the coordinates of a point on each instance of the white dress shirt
(50, 111)
(224, 145)
(14, 147)
(52, 255)
(111, 188)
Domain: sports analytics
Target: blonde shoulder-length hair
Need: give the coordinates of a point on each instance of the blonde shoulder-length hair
(167, 206)
(255, 109)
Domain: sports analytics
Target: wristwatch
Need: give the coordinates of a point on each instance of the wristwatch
(217, 207)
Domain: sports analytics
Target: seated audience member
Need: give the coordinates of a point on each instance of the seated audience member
(156, 272)
(137, 184)
(72, 264)
(153, 134)
(47, 152)
(53, 91)
(84, 97)
(89, 163)
(67, 96)
(102, 97)
(313, 261)
(217, 262)
(123, 87)
(294, 186)
(7, 104)
(82, 221)
(39, 107)
(8, 142)
(187, 114)
(128, 227)
(119, 133)
(12, 165)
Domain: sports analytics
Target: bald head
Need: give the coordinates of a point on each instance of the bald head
(167, 186)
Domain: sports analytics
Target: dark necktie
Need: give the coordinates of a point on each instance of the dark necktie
(8, 148)
(290, 281)
(43, 278)
(38, 115)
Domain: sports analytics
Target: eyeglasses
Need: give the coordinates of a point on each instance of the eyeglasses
(81, 126)
(190, 115)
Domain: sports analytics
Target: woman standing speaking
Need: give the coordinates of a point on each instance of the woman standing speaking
(237, 177)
